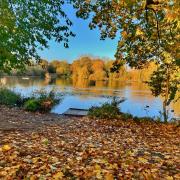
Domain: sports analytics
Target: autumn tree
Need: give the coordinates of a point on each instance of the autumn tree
(165, 82)
(28, 25)
(55, 63)
(97, 64)
(82, 67)
(119, 73)
(63, 69)
(44, 64)
(98, 70)
(147, 30)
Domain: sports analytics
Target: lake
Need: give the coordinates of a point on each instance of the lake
(82, 93)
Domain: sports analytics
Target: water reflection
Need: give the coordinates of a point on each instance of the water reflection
(83, 93)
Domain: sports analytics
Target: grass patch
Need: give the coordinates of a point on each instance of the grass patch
(9, 97)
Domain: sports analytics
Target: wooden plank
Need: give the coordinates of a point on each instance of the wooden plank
(76, 112)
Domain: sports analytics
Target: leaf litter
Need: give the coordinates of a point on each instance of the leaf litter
(92, 149)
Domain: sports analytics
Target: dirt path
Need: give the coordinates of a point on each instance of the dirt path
(16, 119)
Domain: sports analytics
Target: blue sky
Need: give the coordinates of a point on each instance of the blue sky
(86, 42)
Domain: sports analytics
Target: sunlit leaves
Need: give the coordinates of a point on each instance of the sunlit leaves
(141, 23)
(26, 26)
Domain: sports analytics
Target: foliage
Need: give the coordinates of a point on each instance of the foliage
(165, 77)
(143, 119)
(98, 75)
(51, 69)
(106, 111)
(32, 105)
(63, 69)
(9, 97)
(149, 32)
(126, 116)
(26, 26)
(34, 70)
(165, 82)
(43, 63)
(42, 101)
(147, 27)
(87, 68)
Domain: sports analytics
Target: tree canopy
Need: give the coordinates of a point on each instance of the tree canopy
(26, 26)
(145, 28)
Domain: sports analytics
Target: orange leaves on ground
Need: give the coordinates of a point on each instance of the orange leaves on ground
(91, 149)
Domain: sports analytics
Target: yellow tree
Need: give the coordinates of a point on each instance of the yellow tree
(63, 69)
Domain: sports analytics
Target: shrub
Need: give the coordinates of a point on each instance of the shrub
(9, 98)
(42, 101)
(106, 110)
(143, 119)
(32, 105)
(126, 116)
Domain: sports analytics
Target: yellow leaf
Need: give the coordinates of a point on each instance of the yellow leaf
(124, 34)
(32, 178)
(139, 32)
(98, 175)
(97, 167)
(109, 177)
(169, 178)
(58, 175)
(6, 147)
(142, 160)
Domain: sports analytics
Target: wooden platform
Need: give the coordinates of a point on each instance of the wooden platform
(76, 112)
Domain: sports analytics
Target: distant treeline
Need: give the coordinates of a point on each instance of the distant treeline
(88, 68)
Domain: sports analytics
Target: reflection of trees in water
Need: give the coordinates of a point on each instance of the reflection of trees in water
(115, 84)
(137, 91)
(98, 87)
(80, 82)
(18, 81)
(63, 82)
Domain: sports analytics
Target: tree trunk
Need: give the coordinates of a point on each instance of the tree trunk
(165, 112)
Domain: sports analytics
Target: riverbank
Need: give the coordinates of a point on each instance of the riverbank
(50, 146)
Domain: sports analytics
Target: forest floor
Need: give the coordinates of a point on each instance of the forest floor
(48, 146)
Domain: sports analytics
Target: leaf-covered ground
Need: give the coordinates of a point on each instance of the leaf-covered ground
(80, 148)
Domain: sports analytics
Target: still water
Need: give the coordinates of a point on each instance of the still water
(81, 93)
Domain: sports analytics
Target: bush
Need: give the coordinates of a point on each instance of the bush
(42, 101)
(106, 110)
(32, 105)
(126, 116)
(9, 98)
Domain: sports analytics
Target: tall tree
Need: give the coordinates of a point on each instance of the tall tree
(26, 26)
(147, 30)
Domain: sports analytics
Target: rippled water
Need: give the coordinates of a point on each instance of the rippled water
(84, 94)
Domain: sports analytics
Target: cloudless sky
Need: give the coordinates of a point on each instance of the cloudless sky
(86, 42)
